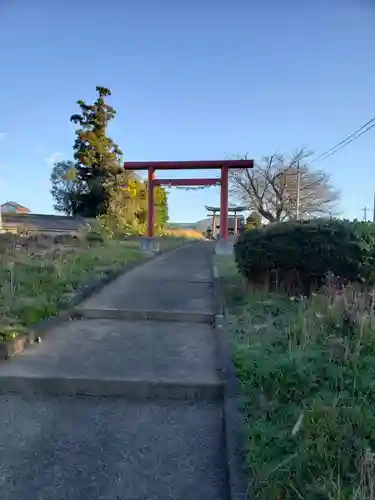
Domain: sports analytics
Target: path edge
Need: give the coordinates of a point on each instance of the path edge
(12, 347)
(233, 422)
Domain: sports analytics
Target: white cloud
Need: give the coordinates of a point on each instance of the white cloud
(2, 135)
(53, 158)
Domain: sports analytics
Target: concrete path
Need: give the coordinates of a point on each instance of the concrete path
(115, 406)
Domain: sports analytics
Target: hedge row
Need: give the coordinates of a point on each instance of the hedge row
(299, 254)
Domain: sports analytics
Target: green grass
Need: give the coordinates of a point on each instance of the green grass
(306, 370)
(37, 284)
(39, 278)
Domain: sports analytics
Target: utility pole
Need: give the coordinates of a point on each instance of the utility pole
(373, 212)
(298, 194)
(365, 210)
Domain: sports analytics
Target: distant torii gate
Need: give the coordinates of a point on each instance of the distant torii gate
(223, 165)
(214, 210)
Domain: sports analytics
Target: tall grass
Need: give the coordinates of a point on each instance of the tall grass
(40, 274)
(306, 369)
(183, 233)
(40, 277)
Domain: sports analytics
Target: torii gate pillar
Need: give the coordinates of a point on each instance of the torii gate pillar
(150, 202)
(224, 203)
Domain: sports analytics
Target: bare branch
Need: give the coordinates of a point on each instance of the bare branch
(271, 187)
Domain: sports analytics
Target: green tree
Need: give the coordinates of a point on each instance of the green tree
(65, 188)
(127, 207)
(161, 205)
(98, 158)
(118, 197)
(162, 214)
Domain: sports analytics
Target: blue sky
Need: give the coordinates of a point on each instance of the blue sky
(191, 79)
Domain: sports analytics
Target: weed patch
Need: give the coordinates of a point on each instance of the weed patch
(39, 277)
(306, 369)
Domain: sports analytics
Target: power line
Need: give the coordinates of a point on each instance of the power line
(346, 139)
(352, 137)
(348, 142)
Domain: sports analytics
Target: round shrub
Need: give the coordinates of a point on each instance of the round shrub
(366, 234)
(299, 254)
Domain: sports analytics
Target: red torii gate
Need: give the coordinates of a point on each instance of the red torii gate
(223, 165)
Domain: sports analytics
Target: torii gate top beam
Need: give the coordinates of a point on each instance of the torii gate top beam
(230, 209)
(187, 165)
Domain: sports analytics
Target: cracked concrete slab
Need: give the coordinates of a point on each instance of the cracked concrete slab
(110, 449)
(179, 353)
(127, 292)
(143, 315)
(180, 281)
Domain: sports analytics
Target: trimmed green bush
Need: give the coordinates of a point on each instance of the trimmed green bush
(298, 254)
(366, 234)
